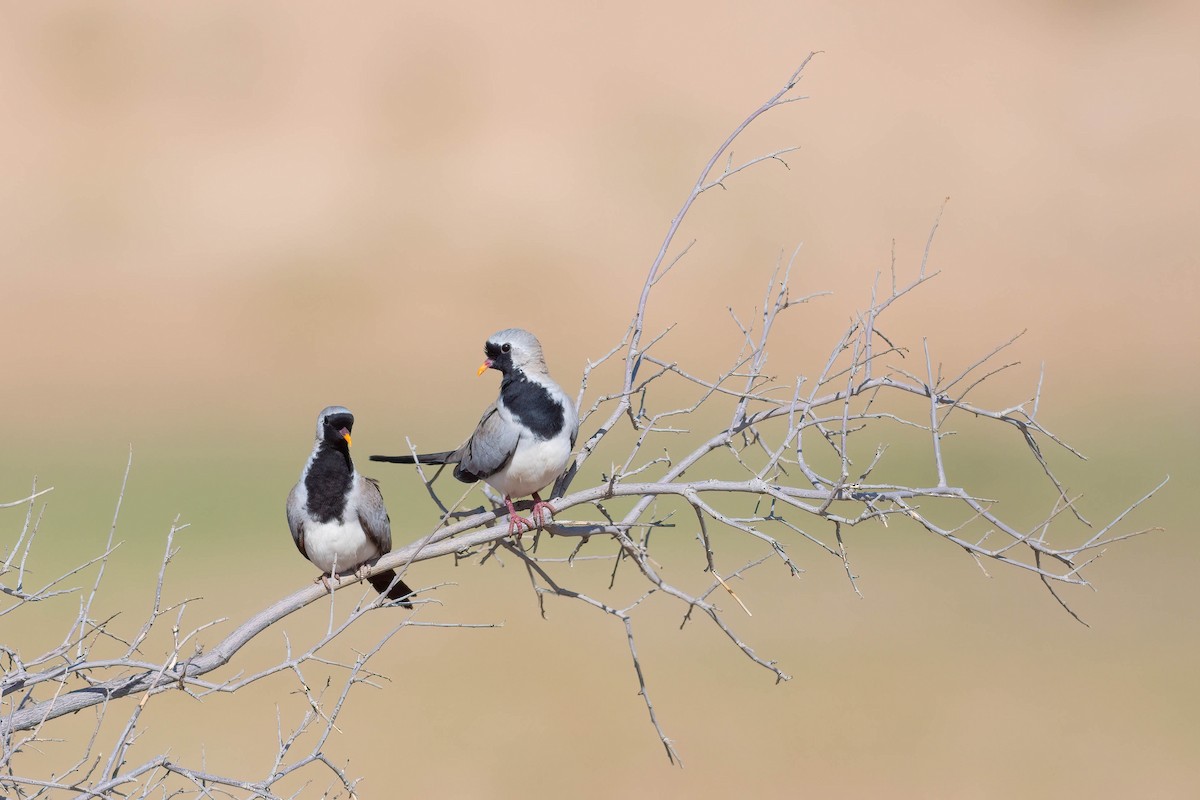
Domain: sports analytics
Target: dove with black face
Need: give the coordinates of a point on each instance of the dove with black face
(337, 516)
(524, 439)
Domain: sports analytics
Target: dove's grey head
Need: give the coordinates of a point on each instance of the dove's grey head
(514, 348)
(334, 424)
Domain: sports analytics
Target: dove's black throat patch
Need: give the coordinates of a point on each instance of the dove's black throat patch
(532, 404)
(328, 483)
(501, 359)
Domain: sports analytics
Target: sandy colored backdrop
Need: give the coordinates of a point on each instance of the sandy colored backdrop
(216, 218)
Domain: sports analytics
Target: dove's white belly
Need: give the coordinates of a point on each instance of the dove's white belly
(345, 543)
(534, 464)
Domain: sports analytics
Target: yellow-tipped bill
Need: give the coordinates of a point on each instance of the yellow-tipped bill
(346, 436)
(483, 368)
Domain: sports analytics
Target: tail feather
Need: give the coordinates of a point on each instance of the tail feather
(447, 457)
(382, 580)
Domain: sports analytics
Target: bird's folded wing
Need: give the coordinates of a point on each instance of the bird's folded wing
(372, 514)
(295, 516)
(492, 445)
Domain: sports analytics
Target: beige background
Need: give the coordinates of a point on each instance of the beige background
(216, 218)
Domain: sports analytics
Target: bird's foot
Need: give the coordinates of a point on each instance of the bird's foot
(517, 524)
(326, 581)
(540, 510)
(363, 570)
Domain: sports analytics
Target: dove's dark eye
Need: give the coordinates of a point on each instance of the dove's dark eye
(504, 348)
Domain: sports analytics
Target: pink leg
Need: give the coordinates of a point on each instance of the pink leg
(540, 507)
(516, 523)
(327, 580)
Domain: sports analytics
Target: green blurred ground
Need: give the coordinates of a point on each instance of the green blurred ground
(219, 219)
(939, 682)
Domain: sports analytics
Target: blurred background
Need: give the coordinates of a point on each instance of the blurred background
(217, 218)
